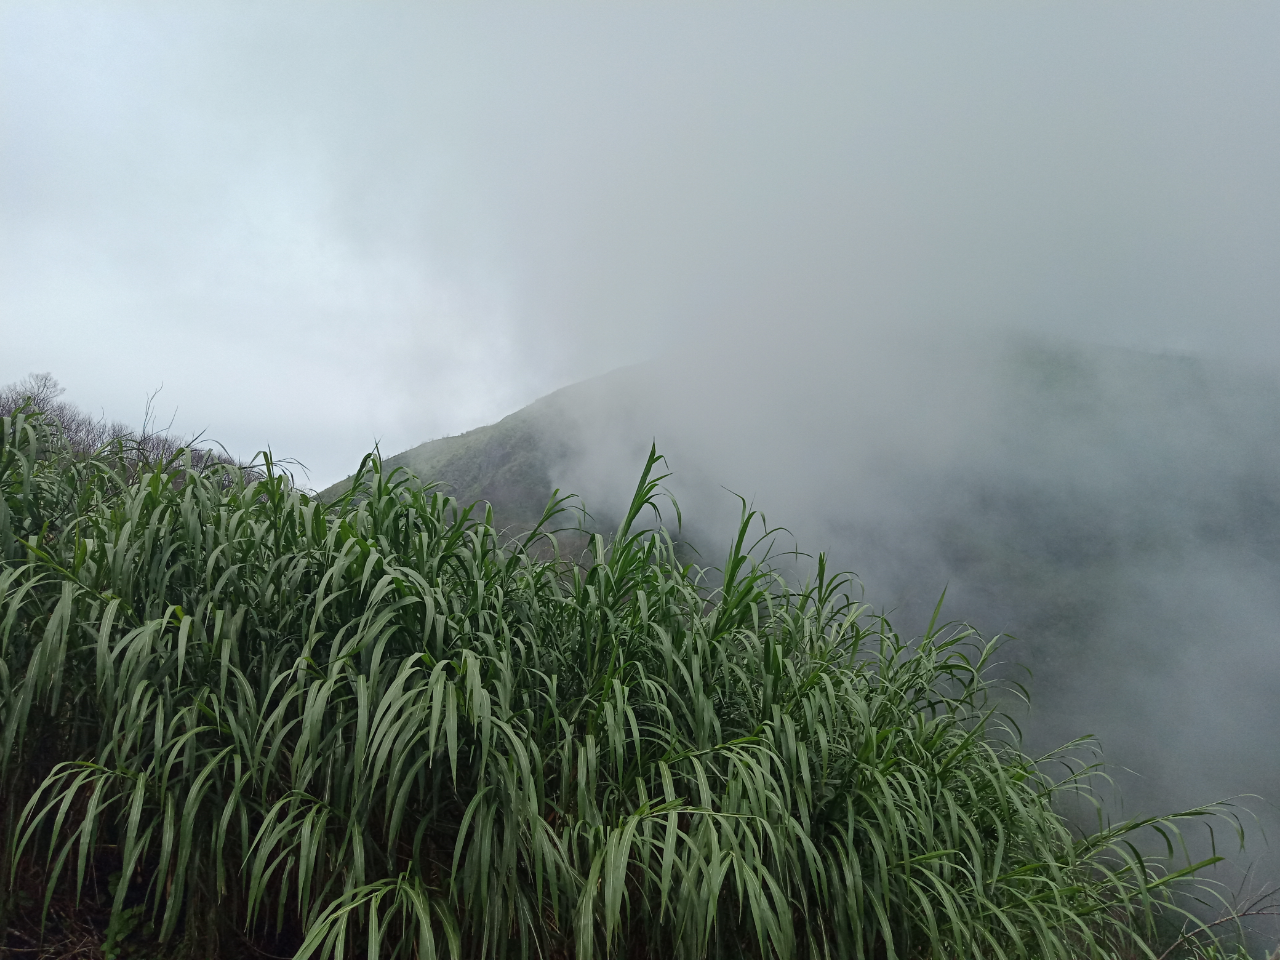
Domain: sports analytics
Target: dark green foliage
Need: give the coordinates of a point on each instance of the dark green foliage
(377, 727)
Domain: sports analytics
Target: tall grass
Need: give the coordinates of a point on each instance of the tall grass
(376, 728)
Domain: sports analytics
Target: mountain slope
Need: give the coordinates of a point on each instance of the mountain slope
(514, 464)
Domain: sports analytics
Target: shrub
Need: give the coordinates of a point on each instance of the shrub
(379, 728)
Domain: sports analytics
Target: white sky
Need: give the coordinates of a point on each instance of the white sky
(321, 225)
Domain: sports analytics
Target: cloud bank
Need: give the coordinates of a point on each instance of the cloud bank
(325, 228)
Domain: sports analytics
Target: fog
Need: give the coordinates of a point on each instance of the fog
(321, 228)
(829, 237)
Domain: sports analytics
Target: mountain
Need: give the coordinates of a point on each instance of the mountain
(508, 463)
(516, 464)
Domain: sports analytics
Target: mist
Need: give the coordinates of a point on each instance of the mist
(836, 250)
(408, 223)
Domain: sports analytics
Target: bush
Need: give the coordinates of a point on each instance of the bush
(377, 728)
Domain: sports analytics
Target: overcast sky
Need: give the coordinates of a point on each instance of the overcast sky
(321, 226)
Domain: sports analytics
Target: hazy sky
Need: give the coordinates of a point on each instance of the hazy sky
(321, 225)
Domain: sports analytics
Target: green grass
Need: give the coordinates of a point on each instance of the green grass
(374, 727)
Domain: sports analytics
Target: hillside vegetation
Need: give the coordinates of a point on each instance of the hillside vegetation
(1073, 495)
(375, 727)
(507, 464)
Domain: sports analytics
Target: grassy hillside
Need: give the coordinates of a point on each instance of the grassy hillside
(507, 464)
(240, 721)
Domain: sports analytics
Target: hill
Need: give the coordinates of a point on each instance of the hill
(508, 463)
(516, 464)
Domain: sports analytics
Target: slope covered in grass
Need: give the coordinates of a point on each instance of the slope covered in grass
(507, 464)
(378, 728)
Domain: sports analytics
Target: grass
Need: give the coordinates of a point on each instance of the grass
(376, 728)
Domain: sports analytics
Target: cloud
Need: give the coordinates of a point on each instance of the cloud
(308, 208)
